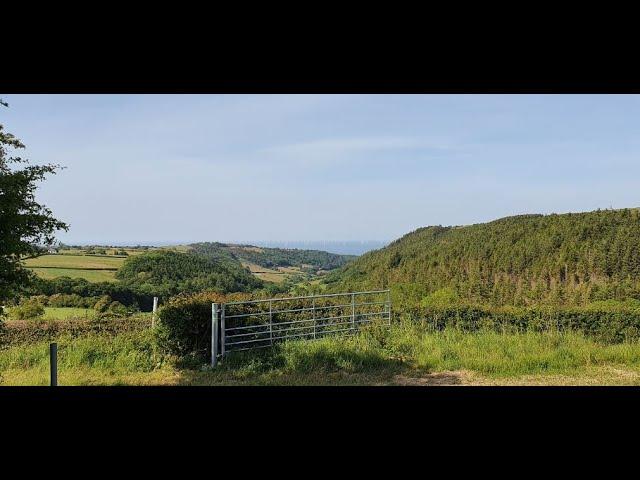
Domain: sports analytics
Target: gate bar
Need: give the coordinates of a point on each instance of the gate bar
(308, 296)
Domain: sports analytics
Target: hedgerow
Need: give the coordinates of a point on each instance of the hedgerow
(27, 332)
(184, 323)
(611, 324)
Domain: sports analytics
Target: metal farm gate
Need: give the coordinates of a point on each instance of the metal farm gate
(255, 324)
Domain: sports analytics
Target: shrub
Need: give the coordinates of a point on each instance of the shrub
(605, 322)
(30, 308)
(102, 305)
(184, 324)
(70, 300)
(15, 333)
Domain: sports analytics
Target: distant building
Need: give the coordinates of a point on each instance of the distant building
(52, 251)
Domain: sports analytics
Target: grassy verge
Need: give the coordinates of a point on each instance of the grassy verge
(405, 354)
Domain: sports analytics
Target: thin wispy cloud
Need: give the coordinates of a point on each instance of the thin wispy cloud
(331, 150)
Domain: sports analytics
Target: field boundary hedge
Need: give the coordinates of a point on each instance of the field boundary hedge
(611, 326)
(29, 331)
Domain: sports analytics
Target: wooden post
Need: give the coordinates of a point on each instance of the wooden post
(53, 363)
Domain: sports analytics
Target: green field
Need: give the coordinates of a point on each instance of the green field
(276, 275)
(89, 275)
(64, 313)
(404, 354)
(92, 268)
(76, 261)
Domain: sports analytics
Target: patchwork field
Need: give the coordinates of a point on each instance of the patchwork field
(93, 268)
(276, 275)
(86, 262)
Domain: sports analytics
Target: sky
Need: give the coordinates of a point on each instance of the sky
(157, 169)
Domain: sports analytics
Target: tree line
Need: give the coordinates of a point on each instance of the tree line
(275, 257)
(559, 259)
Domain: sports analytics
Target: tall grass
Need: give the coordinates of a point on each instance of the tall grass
(410, 348)
(377, 355)
(86, 360)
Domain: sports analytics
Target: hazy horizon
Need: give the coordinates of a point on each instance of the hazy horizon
(332, 246)
(314, 168)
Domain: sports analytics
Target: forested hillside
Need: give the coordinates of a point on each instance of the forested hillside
(567, 259)
(165, 273)
(274, 257)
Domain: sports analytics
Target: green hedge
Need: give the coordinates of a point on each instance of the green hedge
(28, 331)
(608, 325)
(184, 323)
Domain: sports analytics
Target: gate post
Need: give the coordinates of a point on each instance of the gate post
(222, 334)
(214, 334)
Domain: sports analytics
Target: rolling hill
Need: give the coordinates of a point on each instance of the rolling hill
(273, 264)
(559, 259)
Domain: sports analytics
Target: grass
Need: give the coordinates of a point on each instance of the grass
(65, 313)
(76, 261)
(94, 276)
(91, 268)
(276, 275)
(404, 354)
(93, 360)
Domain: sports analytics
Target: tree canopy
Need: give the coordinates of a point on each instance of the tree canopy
(24, 223)
(568, 259)
(274, 257)
(166, 273)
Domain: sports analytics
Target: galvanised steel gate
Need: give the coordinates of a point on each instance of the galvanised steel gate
(255, 324)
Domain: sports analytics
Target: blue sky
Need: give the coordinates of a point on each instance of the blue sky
(182, 168)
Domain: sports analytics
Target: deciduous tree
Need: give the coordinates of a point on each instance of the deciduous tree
(24, 223)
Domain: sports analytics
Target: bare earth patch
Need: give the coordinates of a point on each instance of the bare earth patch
(603, 375)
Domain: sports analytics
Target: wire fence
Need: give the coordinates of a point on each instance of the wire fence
(260, 323)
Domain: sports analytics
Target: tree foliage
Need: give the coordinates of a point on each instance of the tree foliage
(167, 273)
(24, 223)
(274, 257)
(559, 260)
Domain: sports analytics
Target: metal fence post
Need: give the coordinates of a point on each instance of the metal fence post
(270, 322)
(222, 334)
(53, 363)
(353, 311)
(214, 334)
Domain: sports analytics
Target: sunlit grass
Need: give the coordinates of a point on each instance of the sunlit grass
(403, 353)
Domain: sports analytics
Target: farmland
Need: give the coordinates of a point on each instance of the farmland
(276, 274)
(66, 313)
(93, 268)
(83, 262)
